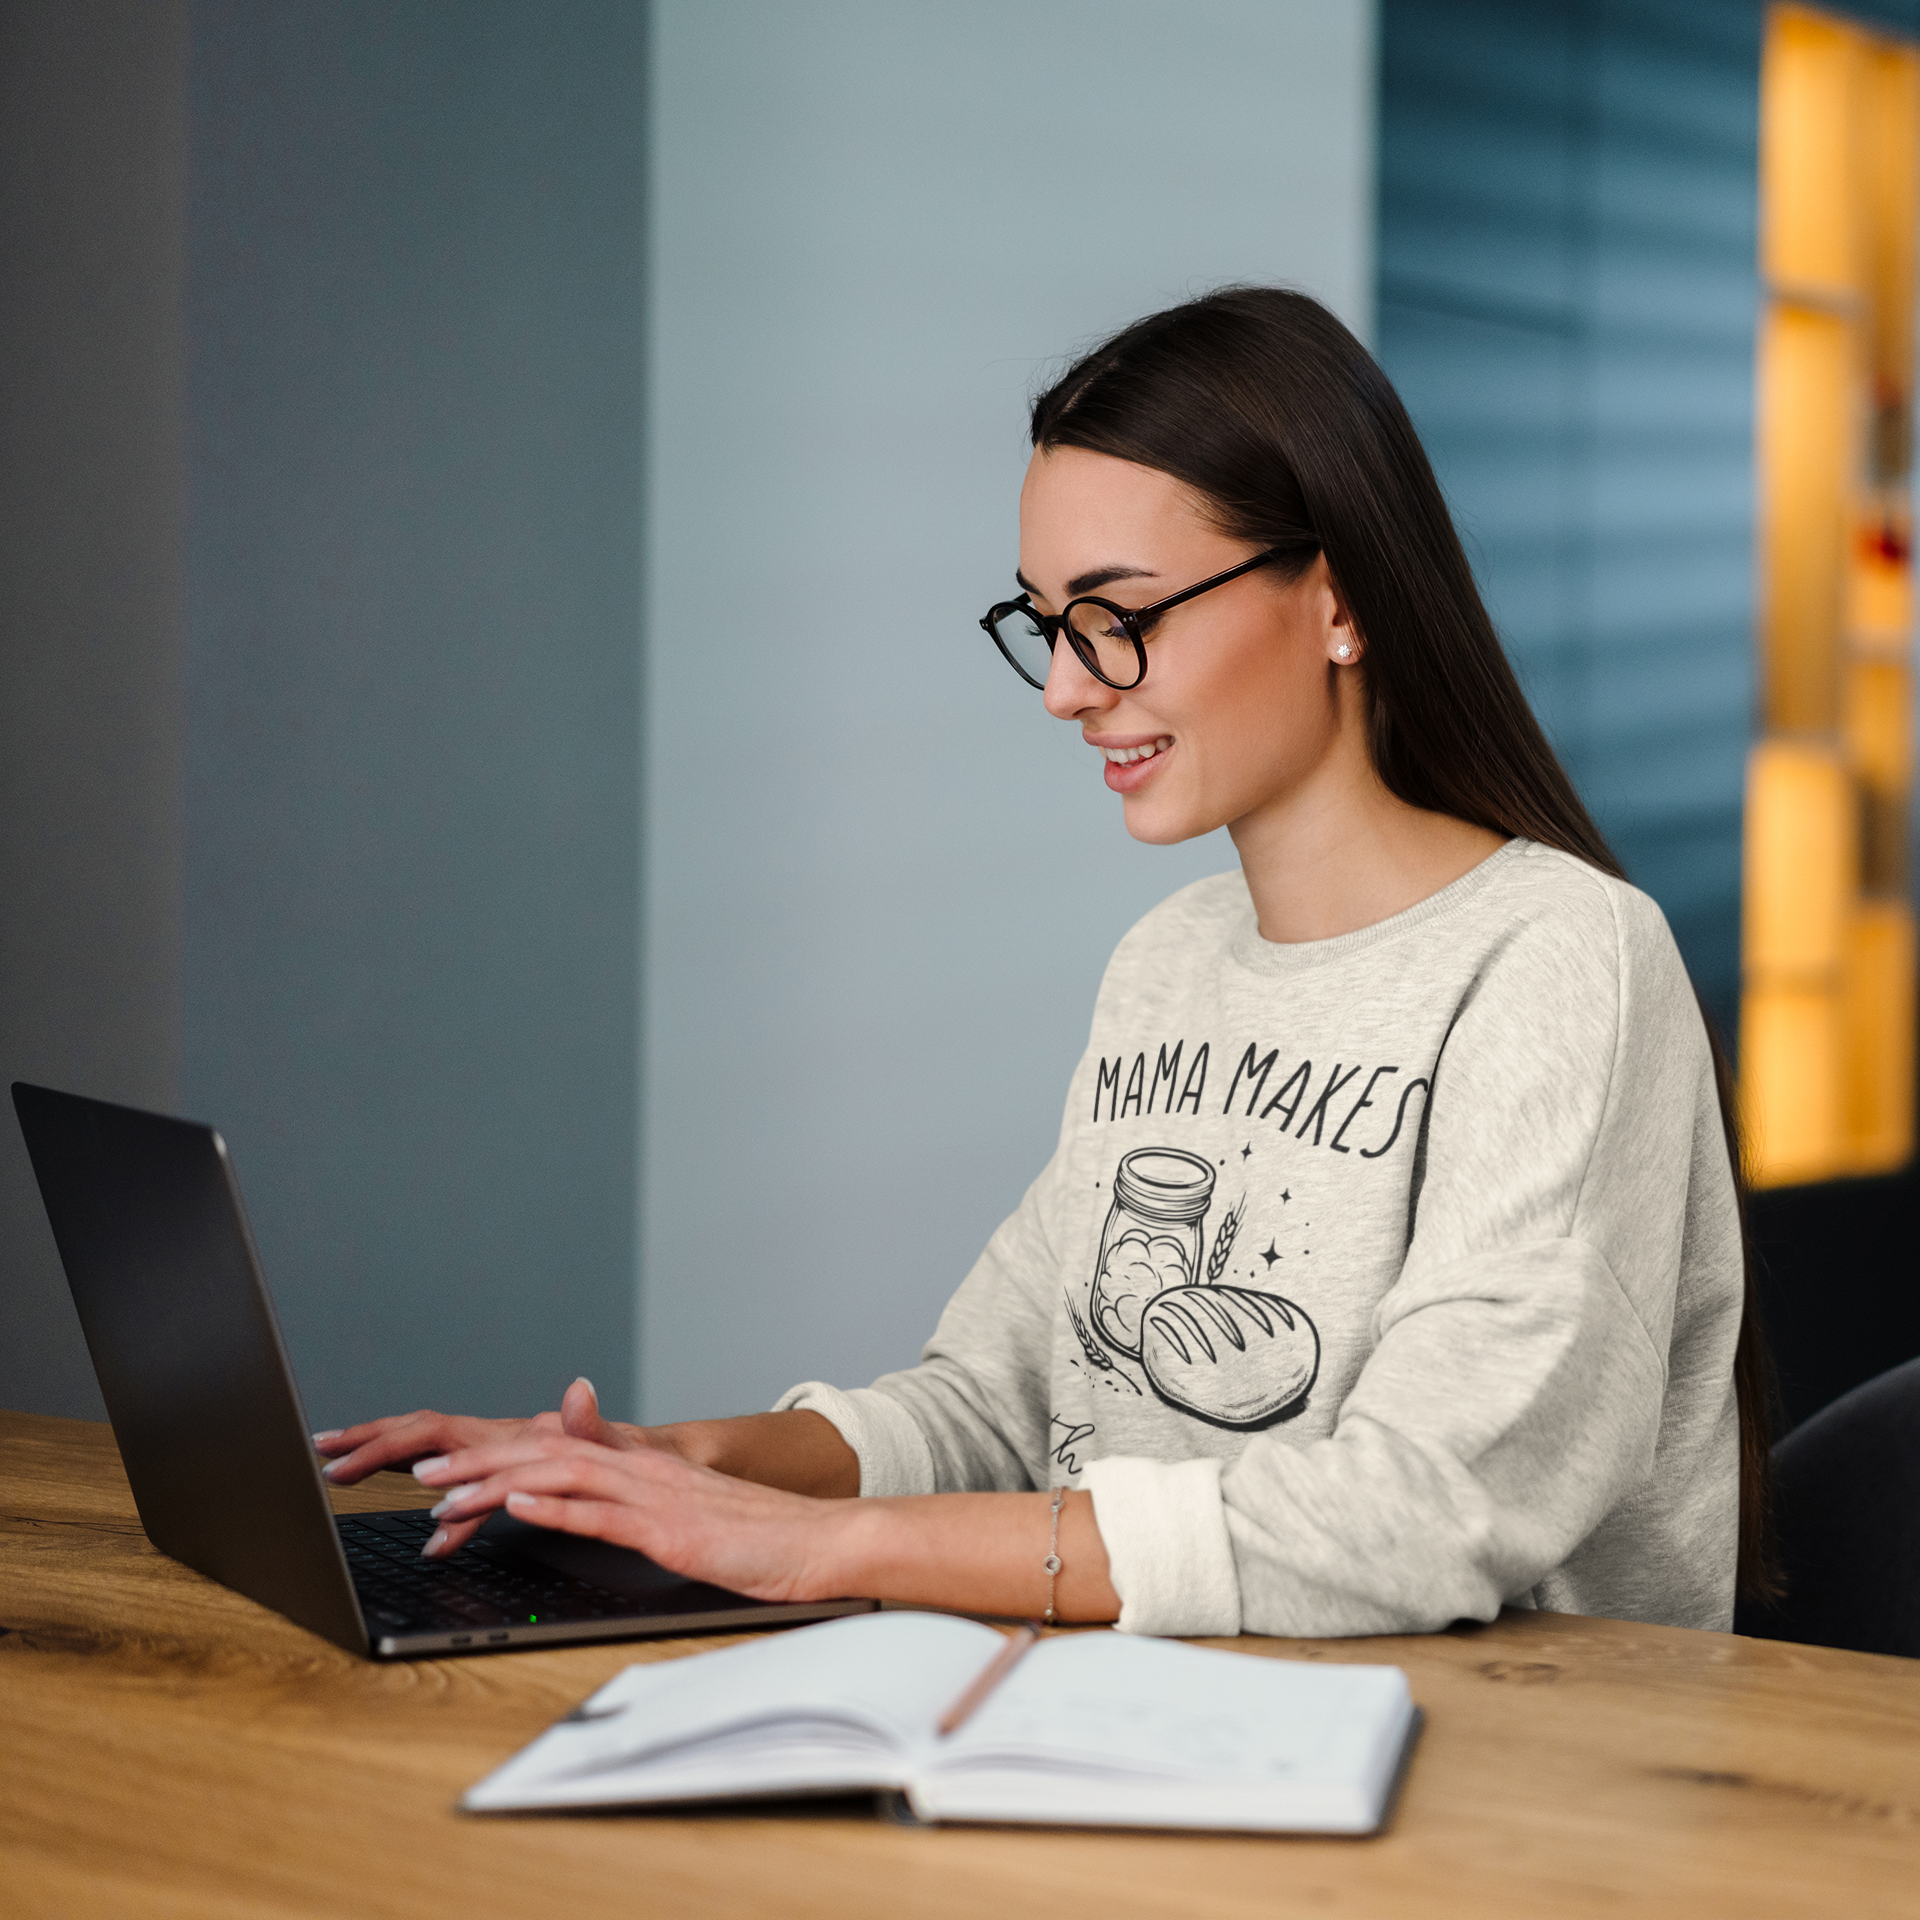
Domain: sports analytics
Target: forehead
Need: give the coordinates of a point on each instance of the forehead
(1070, 486)
(1072, 498)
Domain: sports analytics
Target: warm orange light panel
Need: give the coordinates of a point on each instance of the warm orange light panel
(1827, 1016)
(1808, 210)
(1801, 864)
(1890, 152)
(1877, 1014)
(1879, 724)
(1790, 1083)
(1879, 597)
(1808, 432)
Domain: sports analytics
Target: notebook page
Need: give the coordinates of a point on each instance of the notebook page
(1114, 1729)
(840, 1703)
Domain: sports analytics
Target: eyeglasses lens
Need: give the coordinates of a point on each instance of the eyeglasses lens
(1024, 644)
(1104, 643)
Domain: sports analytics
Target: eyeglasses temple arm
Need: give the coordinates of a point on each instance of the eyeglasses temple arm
(1218, 580)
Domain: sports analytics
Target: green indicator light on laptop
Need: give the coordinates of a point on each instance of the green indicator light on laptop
(533, 1619)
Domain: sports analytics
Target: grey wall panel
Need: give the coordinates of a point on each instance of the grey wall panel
(881, 882)
(92, 104)
(415, 297)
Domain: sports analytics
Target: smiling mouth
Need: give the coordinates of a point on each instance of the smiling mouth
(1126, 756)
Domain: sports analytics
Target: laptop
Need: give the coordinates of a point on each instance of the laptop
(147, 1215)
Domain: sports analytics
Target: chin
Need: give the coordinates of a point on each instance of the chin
(1163, 826)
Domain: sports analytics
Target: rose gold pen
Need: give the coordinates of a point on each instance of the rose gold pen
(1018, 1644)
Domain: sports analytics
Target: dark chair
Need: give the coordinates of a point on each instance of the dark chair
(1847, 1502)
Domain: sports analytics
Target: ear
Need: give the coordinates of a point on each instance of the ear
(1345, 648)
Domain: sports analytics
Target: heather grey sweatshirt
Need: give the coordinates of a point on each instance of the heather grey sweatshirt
(1375, 1282)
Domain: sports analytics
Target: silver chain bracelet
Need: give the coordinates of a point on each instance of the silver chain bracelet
(1052, 1561)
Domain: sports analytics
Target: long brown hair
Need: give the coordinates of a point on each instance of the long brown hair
(1264, 404)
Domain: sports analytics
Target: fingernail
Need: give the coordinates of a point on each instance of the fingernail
(332, 1433)
(422, 1468)
(331, 1468)
(583, 1381)
(519, 1502)
(436, 1546)
(454, 1496)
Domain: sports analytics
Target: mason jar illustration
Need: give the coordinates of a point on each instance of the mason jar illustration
(1151, 1240)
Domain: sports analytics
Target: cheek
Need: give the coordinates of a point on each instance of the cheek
(1264, 707)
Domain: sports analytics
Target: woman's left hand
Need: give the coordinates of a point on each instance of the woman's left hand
(708, 1526)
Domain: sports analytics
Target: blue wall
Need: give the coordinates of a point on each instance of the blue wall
(415, 369)
(1568, 295)
(882, 883)
(1892, 16)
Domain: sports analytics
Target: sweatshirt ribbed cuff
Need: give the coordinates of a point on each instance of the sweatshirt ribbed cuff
(894, 1455)
(1168, 1552)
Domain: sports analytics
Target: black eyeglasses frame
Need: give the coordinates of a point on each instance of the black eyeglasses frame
(1133, 622)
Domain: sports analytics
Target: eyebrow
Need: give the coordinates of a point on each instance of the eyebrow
(1099, 577)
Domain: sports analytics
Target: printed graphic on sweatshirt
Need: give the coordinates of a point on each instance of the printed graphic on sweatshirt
(1066, 1436)
(1160, 1310)
(1345, 1107)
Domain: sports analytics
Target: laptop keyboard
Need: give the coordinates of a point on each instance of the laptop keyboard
(482, 1586)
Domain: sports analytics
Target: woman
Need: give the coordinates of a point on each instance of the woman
(1390, 1267)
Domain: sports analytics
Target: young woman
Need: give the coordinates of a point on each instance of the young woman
(1390, 1266)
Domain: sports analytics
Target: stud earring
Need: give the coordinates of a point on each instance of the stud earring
(1343, 650)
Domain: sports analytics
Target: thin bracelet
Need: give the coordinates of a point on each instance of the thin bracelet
(1052, 1561)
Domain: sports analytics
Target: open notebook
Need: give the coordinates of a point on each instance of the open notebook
(1090, 1729)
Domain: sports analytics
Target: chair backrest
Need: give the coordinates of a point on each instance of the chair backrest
(1847, 1501)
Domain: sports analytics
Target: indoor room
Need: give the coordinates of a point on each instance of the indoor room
(746, 744)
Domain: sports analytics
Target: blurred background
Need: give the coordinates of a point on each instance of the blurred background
(494, 504)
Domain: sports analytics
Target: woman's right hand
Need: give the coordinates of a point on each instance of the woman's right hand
(402, 1438)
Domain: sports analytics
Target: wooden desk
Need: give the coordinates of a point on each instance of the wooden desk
(169, 1749)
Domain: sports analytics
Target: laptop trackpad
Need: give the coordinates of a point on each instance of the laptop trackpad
(620, 1570)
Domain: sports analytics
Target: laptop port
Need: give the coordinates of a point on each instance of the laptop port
(496, 1636)
(462, 1640)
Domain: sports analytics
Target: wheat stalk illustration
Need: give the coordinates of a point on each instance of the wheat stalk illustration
(1223, 1240)
(1088, 1345)
(1097, 1355)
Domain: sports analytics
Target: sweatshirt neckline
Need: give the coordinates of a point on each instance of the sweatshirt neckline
(1293, 956)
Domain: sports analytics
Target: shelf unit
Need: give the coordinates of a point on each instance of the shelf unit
(1828, 945)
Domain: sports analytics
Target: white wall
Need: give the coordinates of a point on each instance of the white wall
(881, 883)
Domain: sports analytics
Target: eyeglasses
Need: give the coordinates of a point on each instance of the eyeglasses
(1109, 641)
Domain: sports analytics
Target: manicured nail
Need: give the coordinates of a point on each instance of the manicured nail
(454, 1496)
(332, 1433)
(436, 1546)
(583, 1381)
(331, 1468)
(422, 1469)
(519, 1502)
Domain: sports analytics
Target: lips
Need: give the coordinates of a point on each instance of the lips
(1130, 767)
(1126, 753)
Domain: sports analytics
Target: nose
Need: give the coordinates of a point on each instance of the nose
(1071, 691)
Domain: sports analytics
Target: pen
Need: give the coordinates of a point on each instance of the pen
(1018, 1644)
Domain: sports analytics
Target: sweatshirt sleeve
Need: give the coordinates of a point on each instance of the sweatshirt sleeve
(972, 1416)
(1514, 1392)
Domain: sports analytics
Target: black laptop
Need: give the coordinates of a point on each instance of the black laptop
(147, 1216)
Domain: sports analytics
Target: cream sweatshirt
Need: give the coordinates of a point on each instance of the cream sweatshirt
(1375, 1282)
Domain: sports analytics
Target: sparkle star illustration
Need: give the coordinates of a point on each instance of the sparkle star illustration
(1271, 1255)
(1285, 1195)
(1246, 1152)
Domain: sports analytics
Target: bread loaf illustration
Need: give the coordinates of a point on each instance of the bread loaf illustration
(1228, 1355)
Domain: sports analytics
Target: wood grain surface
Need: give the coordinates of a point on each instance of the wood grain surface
(168, 1748)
